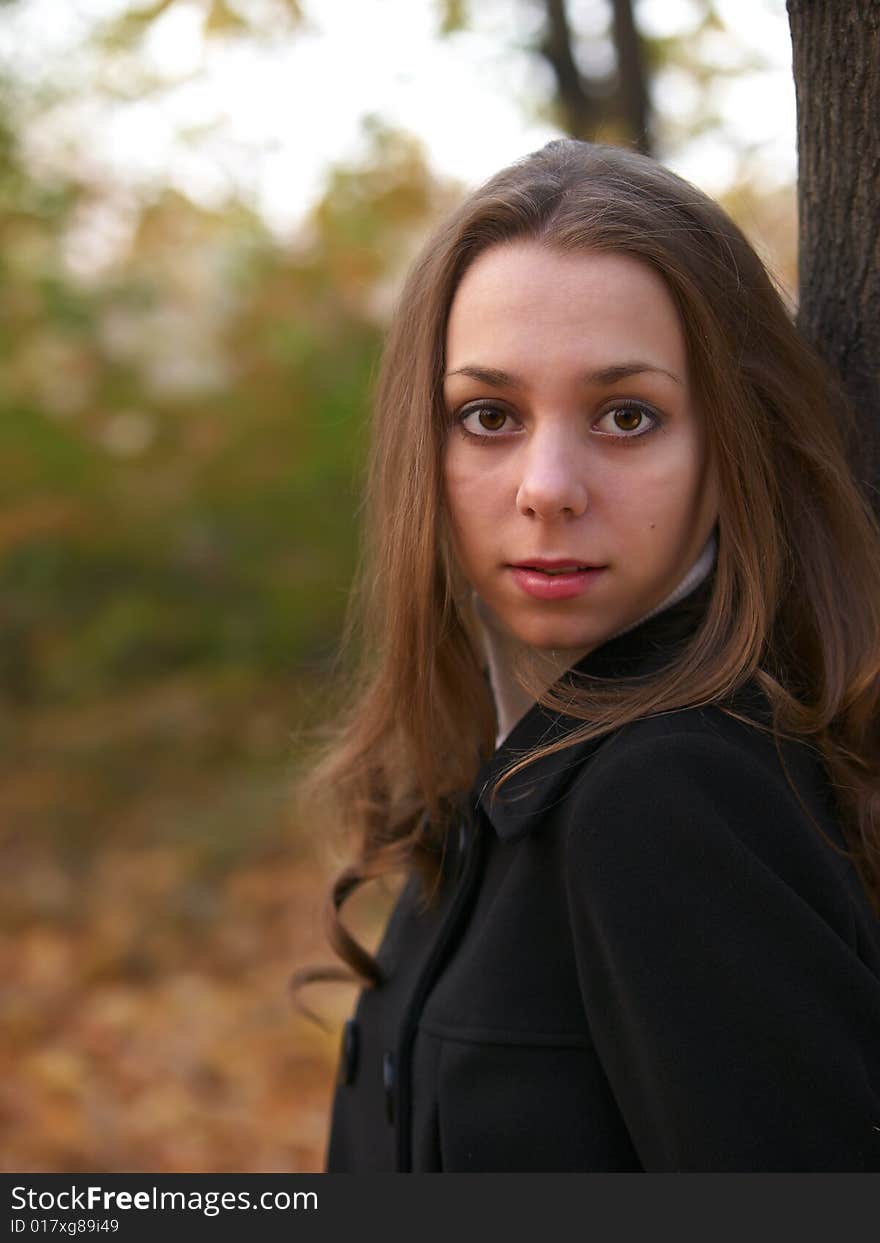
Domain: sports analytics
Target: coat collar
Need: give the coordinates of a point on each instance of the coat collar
(644, 649)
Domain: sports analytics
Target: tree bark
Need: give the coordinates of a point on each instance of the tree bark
(836, 48)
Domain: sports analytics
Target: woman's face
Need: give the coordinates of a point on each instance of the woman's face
(573, 438)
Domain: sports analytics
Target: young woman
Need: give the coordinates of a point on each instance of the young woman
(617, 719)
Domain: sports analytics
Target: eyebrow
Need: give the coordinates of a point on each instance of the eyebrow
(603, 375)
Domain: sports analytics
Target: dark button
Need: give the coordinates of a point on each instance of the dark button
(349, 1052)
(388, 1081)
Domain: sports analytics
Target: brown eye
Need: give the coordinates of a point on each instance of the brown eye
(491, 420)
(485, 421)
(628, 422)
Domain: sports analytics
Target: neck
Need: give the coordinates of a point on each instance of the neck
(502, 649)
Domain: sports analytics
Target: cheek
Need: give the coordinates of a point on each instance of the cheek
(474, 492)
(660, 489)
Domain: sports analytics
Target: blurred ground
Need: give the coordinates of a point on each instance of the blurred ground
(155, 905)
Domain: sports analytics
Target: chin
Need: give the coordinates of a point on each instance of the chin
(552, 633)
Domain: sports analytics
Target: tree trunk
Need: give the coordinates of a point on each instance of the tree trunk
(836, 49)
(633, 89)
(580, 113)
(588, 103)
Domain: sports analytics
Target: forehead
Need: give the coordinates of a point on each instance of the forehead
(524, 299)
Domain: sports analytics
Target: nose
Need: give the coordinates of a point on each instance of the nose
(552, 483)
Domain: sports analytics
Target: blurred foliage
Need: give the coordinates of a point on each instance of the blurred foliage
(264, 19)
(704, 50)
(181, 436)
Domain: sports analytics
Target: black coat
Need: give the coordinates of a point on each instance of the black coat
(651, 960)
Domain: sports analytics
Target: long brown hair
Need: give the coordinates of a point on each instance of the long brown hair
(795, 599)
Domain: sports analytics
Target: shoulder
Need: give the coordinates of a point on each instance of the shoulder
(707, 751)
(680, 736)
(727, 975)
(698, 797)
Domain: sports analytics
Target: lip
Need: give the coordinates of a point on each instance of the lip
(530, 579)
(554, 563)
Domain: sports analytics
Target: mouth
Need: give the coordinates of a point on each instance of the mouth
(554, 567)
(555, 580)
